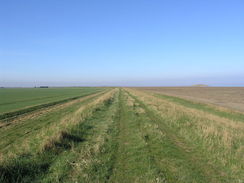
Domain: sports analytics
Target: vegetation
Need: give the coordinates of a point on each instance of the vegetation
(125, 135)
(230, 114)
(12, 99)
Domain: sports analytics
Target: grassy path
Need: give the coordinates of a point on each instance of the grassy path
(191, 153)
(134, 162)
(148, 151)
(174, 156)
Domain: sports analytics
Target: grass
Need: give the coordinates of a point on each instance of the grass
(38, 166)
(212, 142)
(124, 135)
(30, 133)
(22, 132)
(19, 100)
(134, 162)
(170, 149)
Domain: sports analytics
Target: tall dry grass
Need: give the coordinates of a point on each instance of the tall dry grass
(47, 136)
(220, 139)
(72, 119)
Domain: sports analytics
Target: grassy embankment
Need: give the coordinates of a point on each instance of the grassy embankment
(129, 136)
(26, 142)
(210, 137)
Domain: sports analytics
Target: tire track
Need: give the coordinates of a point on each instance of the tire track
(196, 164)
(134, 161)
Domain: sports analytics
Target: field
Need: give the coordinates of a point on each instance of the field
(18, 98)
(119, 135)
(231, 97)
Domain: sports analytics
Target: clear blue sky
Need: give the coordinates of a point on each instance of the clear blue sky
(127, 42)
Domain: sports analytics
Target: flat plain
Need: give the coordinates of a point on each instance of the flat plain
(231, 97)
(12, 99)
(122, 135)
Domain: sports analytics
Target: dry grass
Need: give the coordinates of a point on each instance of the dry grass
(53, 132)
(219, 138)
(231, 97)
(70, 120)
(126, 135)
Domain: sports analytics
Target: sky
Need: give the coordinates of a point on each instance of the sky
(121, 43)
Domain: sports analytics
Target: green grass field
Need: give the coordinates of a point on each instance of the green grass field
(15, 101)
(12, 99)
(123, 135)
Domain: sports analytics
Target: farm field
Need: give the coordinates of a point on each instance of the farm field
(124, 135)
(231, 97)
(20, 100)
